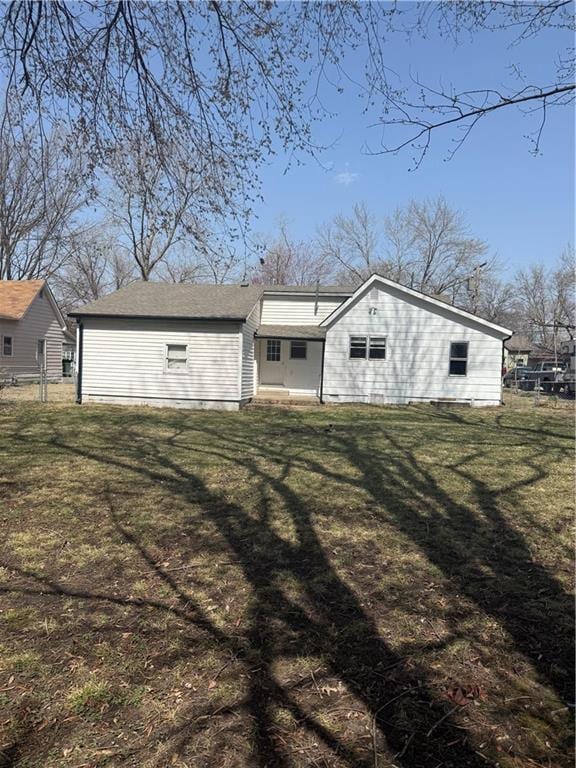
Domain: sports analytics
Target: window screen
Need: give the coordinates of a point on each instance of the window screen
(377, 348)
(358, 346)
(7, 346)
(298, 350)
(458, 358)
(273, 350)
(176, 357)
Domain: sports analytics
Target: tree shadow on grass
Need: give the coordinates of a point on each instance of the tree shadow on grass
(329, 622)
(519, 593)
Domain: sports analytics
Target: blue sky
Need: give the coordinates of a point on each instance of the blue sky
(522, 205)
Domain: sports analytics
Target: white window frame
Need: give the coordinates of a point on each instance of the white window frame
(178, 371)
(3, 353)
(385, 347)
(350, 347)
(368, 339)
(279, 343)
(299, 341)
(458, 359)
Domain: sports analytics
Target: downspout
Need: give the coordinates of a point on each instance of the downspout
(79, 362)
(502, 366)
(322, 372)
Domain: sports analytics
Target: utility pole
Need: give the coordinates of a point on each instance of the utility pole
(476, 286)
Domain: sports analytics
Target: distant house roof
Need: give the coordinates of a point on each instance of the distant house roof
(519, 343)
(16, 296)
(312, 332)
(176, 301)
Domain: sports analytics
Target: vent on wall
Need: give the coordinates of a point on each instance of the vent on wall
(374, 294)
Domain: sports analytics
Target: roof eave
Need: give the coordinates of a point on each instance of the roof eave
(78, 314)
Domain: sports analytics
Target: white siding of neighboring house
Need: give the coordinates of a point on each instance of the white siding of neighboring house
(297, 310)
(248, 372)
(123, 361)
(39, 322)
(417, 357)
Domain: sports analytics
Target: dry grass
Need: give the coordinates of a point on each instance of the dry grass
(330, 587)
(57, 393)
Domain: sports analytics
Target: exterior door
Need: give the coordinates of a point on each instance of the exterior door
(272, 363)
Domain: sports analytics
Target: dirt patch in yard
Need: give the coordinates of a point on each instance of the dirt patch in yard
(340, 587)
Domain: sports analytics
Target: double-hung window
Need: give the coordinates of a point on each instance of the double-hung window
(458, 358)
(7, 346)
(176, 357)
(377, 348)
(358, 347)
(273, 350)
(368, 347)
(298, 350)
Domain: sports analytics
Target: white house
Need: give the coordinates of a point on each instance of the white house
(32, 331)
(218, 346)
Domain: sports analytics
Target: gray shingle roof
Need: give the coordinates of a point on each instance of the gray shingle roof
(312, 332)
(518, 343)
(180, 300)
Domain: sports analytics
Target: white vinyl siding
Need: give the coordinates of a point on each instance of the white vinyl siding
(248, 373)
(39, 322)
(297, 310)
(418, 342)
(125, 361)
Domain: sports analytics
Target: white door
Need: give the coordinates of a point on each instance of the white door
(272, 364)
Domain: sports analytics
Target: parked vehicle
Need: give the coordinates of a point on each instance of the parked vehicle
(546, 376)
(569, 375)
(515, 376)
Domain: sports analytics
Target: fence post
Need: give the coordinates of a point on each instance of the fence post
(43, 384)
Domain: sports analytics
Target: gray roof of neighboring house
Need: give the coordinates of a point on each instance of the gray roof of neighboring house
(518, 343)
(176, 301)
(311, 332)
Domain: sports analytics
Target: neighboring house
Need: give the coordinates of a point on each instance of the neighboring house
(68, 354)
(32, 331)
(516, 351)
(519, 350)
(217, 346)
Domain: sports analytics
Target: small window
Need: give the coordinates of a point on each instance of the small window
(273, 350)
(176, 357)
(377, 348)
(7, 346)
(358, 346)
(297, 350)
(40, 350)
(458, 358)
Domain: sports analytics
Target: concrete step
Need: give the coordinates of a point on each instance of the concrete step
(279, 401)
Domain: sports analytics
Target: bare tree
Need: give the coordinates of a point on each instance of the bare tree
(546, 300)
(425, 245)
(287, 261)
(150, 207)
(353, 244)
(418, 110)
(95, 268)
(42, 187)
(497, 301)
(443, 256)
(229, 76)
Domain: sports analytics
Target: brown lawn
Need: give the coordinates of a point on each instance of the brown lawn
(327, 587)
